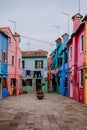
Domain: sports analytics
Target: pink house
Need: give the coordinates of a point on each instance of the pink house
(14, 61)
(77, 47)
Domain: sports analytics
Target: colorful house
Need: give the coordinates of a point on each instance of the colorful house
(54, 71)
(64, 68)
(3, 64)
(50, 73)
(58, 57)
(14, 61)
(77, 47)
(34, 64)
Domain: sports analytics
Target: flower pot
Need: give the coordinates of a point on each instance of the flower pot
(40, 95)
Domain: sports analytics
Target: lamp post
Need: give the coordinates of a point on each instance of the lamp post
(58, 29)
(68, 19)
(14, 24)
(79, 6)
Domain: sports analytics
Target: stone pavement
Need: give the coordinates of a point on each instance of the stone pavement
(54, 112)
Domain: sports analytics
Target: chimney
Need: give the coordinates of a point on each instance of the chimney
(76, 21)
(65, 37)
(17, 37)
(58, 41)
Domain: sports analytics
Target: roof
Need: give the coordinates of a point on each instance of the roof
(85, 18)
(4, 33)
(37, 53)
(77, 16)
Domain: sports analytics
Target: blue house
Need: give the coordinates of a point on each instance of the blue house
(3, 64)
(58, 57)
(54, 68)
(64, 68)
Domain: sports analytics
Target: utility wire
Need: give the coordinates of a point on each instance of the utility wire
(37, 40)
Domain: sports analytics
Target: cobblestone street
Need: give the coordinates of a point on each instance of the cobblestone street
(54, 112)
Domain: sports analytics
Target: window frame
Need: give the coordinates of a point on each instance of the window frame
(81, 78)
(38, 64)
(60, 61)
(13, 60)
(82, 42)
(4, 57)
(23, 64)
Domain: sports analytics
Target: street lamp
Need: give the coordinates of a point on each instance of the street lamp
(68, 19)
(14, 24)
(79, 6)
(58, 28)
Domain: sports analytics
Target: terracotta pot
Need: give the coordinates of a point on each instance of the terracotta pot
(40, 95)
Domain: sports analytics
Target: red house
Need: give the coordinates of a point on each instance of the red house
(77, 48)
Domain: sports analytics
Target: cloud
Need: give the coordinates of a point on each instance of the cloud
(36, 18)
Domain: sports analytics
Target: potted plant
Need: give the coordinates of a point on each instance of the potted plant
(40, 93)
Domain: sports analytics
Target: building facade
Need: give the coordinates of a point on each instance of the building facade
(64, 68)
(34, 64)
(14, 61)
(3, 63)
(49, 74)
(77, 47)
(58, 53)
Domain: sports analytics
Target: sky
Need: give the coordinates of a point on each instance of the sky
(41, 20)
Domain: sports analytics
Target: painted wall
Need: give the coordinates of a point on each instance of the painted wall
(30, 65)
(64, 68)
(3, 65)
(13, 70)
(59, 47)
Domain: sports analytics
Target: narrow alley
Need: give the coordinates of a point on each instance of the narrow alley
(54, 112)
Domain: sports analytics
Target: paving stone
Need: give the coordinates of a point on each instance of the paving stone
(55, 112)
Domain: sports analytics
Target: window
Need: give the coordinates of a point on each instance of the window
(13, 60)
(70, 52)
(23, 64)
(13, 82)
(66, 57)
(29, 82)
(4, 82)
(39, 64)
(58, 80)
(81, 78)
(4, 57)
(60, 61)
(19, 62)
(66, 83)
(10, 40)
(23, 82)
(82, 43)
(26, 82)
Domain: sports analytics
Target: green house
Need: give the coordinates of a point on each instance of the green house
(34, 66)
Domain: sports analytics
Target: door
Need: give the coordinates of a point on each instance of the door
(38, 84)
(0, 88)
(71, 88)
